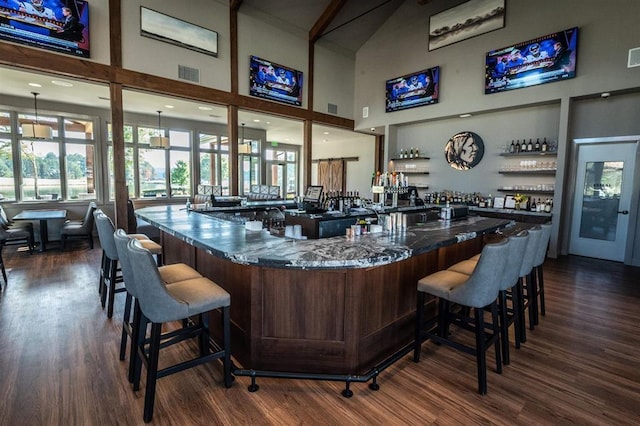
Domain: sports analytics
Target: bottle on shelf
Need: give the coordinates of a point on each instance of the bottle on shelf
(523, 147)
(517, 147)
(533, 205)
(411, 153)
(417, 154)
(536, 147)
(512, 147)
(544, 146)
(530, 146)
(401, 155)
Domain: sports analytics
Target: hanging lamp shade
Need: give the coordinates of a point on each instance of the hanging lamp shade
(35, 129)
(159, 141)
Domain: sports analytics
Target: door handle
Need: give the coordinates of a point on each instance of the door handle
(624, 212)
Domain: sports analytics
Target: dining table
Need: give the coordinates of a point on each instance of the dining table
(44, 216)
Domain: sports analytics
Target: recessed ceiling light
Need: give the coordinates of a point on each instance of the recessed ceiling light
(169, 106)
(325, 133)
(61, 83)
(204, 108)
(465, 115)
(35, 84)
(255, 120)
(373, 129)
(267, 122)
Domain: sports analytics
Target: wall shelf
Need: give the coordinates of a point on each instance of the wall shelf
(550, 172)
(410, 159)
(530, 154)
(527, 191)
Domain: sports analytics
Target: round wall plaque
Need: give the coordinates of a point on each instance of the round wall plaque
(464, 150)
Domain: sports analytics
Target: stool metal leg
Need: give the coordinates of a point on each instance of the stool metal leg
(152, 371)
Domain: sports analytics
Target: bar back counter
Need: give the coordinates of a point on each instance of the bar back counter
(333, 306)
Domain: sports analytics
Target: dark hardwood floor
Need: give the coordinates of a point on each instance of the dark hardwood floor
(59, 362)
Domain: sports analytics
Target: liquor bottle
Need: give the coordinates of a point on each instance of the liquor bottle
(530, 146)
(545, 147)
(417, 153)
(547, 206)
(512, 147)
(517, 146)
(533, 205)
(411, 153)
(523, 147)
(537, 145)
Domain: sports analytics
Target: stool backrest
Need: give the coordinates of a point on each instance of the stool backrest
(105, 234)
(121, 240)
(156, 303)
(530, 251)
(517, 247)
(482, 287)
(543, 244)
(87, 221)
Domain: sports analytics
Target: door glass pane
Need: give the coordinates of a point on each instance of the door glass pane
(78, 129)
(40, 170)
(80, 172)
(292, 175)
(7, 187)
(601, 199)
(128, 173)
(180, 173)
(208, 168)
(224, 173)
(152, 171)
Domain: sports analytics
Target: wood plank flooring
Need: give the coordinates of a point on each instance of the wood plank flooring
(59, 362)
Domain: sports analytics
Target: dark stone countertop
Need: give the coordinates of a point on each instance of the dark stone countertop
(232, 241)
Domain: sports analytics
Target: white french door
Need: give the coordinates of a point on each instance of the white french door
(602, 199)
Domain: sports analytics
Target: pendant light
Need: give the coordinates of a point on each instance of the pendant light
(159, 141)
(35, 129)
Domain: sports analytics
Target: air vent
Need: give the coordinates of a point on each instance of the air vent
(187, 73)
(332, 109)
(634, 58)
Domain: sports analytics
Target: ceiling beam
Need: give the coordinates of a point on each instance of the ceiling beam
(325, 19)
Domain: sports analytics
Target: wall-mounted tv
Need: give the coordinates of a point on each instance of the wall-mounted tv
(57, 25)
(275, 82)
(542, 60)
(413, 90)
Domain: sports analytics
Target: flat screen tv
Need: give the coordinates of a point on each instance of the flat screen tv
(542, 60)
(275, 82)
(57, 25)
(413, 90)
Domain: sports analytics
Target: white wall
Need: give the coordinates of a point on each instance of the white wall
(607, 32)
(155, 57)
(358, 172)
(334, 81)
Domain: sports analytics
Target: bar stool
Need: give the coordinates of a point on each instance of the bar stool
(4, 272)
(109, 273)
(478, 291)
(508, 315)
(159, 303)
(526, 279)
(538, 278)
(169, 274)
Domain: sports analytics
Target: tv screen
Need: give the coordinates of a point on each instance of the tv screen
(542, 60)
(413, 90)
(275, 82)
(57, 25)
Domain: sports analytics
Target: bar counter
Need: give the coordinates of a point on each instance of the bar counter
(328, 306)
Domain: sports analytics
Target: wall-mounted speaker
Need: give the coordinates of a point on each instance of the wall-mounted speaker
(634, 58)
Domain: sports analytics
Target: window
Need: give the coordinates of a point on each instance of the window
(7, 181)
(40, 162)
(79, 163)
(153, 172)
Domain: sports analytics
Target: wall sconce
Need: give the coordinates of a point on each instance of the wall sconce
(159, 141)
(35, 129)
